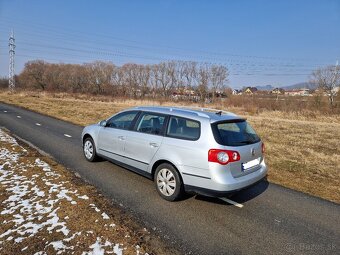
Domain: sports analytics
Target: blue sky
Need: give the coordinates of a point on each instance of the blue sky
(261, 42)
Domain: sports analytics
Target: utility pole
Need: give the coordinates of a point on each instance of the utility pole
(11, 44)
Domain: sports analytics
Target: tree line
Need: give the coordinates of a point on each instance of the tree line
(130, 80)
(179, 79)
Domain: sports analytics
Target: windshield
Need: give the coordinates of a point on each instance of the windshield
(234, 133)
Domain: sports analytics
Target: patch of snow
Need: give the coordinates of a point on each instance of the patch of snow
(95, 207)
(83, 197)
(18, 240)
(58, 245)
(117, 250)
(10, 238)
(105, 216)
(40, 253)
(72, 237)
(63, 194)
(96, 249)
(137, 249)
(7, 138)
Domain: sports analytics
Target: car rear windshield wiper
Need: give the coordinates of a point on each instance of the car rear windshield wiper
(245, 142)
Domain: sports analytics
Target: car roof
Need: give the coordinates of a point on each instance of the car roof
(213, 115)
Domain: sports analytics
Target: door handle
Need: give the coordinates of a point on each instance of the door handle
(122, 138)
(153, 145)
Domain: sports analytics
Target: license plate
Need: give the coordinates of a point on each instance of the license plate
(251, 163)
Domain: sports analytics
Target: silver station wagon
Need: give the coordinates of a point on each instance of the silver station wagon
(202, 151)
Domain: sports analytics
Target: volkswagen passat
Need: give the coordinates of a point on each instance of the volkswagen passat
(207, 152)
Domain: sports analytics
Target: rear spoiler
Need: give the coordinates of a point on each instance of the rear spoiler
(236, 120)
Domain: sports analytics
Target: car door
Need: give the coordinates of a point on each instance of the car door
(142, 144)
(112, 137)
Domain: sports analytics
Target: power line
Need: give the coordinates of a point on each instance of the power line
(236, 74)
(243, 64)
(237, 64)
(117, 53)
(76, 34)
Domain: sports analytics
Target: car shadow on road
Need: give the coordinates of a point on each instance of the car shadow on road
(241, 196)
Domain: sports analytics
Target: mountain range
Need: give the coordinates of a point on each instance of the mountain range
(300, 85)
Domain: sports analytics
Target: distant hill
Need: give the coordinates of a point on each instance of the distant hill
(301, 85)
(265, 87)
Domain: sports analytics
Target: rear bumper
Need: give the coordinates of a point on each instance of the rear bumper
(216, 186)
(216, 193)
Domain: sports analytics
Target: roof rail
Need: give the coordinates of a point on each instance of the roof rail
(203, 109)
(194, 109)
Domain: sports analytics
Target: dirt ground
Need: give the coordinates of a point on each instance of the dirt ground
(46, 209)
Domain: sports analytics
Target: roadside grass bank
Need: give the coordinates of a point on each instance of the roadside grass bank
(46, 209)
(302, 149)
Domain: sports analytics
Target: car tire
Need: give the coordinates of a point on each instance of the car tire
(168, 183)
(89, 149)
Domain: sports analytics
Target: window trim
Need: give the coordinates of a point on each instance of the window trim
(142, 113)
(180, 137)
(132, 122)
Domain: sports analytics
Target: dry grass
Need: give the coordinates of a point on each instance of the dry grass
(303, 155)
(43, 204)
(303, 149)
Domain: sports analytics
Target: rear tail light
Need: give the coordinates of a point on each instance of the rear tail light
(263, 148)
(223, 157)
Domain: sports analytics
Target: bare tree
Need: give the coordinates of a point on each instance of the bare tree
(328, 79)
(117, 81)
(181, 66)
(131, 79)
(143, 78)
(190, 73)
(34, 74)
(99, 74)
(218, 79)
(172, 73)
(163, 75)
(3, 82)
(74, 78)
(203, 79)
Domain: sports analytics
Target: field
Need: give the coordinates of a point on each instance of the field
(302, 150)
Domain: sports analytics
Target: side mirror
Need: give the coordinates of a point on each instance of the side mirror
(103, 123)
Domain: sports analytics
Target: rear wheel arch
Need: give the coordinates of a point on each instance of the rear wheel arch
(162, 161)
(168, 180)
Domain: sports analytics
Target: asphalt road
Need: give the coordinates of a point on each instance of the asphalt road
(273, 219)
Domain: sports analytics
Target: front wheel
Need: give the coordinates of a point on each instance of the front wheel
(168, 182)
(89, 150)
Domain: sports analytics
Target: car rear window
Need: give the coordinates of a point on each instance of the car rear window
(183, 128)
(234, 133)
